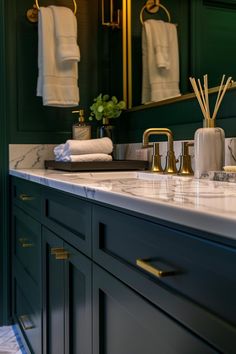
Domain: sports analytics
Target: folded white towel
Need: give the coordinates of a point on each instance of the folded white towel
(160, 61)
(57, 81)
(66, 34)
(91, 146)
(85, 158)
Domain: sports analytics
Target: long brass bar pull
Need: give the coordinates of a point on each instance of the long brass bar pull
(25, 197)
(60, 253)
(146, 265)
(26, 322)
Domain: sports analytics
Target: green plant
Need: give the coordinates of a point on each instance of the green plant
(106, 107)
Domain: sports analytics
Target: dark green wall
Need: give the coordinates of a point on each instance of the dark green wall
(4, 238)
(29, 121)
(202, 24)
(182, 117)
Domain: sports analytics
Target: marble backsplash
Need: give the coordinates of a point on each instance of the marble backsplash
(34, 155)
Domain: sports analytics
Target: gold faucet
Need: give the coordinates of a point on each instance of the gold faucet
(170, 158)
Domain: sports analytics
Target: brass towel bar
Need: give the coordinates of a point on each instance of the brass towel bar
(32, 14)
(153, 6)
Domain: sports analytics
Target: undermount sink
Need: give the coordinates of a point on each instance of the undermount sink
(143, 175)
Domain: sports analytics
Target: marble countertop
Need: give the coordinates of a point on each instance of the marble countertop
(202, 204)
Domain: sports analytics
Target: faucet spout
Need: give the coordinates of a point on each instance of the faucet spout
(170, 159)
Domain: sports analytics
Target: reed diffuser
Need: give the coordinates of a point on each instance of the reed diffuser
(209, 141)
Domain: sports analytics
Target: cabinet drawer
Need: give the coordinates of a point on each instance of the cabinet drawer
(28, 318)
(125, 322)
(27, 243)
(199, 270)
(68, 217)
(27, 195)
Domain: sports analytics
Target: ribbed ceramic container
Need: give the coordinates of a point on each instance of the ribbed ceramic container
(209, 149)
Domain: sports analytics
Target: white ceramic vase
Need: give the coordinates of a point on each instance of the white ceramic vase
(209, 149)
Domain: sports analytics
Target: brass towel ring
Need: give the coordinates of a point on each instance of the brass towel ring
(152, 8)
(32, 14)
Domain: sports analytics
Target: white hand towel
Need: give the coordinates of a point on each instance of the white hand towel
(160, 61)
(66, 34)
(160, 42)
(57, 81)
(85, 158)
(91, 146)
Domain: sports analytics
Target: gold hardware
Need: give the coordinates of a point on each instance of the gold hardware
(112, 23)
(26, 322)
(24, 244)
(209, 123)
(25, 197)
(126, 50)
(159, 273)
(56, 250)
(156, 159)
(153, 6)
(170, 158)
(32, 14)
(60, 253)
(185, 168)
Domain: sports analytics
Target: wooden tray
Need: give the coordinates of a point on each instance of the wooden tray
(115, 165)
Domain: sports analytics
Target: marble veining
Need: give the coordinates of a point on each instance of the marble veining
(201, 204)
(30, 155)
(33, 155)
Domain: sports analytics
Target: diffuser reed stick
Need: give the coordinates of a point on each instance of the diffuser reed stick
(203, 96)
(209, 146)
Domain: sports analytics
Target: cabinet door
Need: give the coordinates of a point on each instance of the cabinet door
(125, 322)
(67, 298)
(53, 295)
(78, 312)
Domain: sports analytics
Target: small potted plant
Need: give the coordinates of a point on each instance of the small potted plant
(103, 109)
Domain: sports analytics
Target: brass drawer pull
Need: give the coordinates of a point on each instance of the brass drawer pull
(26, 322)
(157, 272)
(24, 243)
(60, 253)
(25, 197)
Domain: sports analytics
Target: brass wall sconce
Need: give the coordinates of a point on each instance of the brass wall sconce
(111, 23)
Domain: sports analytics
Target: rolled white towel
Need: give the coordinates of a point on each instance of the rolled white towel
(91, 146)
(84, 158)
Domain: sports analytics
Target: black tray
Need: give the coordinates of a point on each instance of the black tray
(115, 165)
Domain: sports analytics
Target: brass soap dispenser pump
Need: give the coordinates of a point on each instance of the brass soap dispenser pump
(80, 130)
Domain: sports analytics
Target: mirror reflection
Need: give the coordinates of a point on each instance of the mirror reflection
(169, 42)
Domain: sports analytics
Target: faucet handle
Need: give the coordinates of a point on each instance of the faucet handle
(156, 159)
(185, 160)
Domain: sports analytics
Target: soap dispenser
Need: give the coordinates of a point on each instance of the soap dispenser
(80, 130)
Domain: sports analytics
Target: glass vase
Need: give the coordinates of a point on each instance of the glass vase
(209, 149)
(106, 130)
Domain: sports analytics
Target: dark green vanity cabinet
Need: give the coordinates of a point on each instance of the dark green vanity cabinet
(51, 278)
(67, 313)
(26, 274)
(95, 298)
